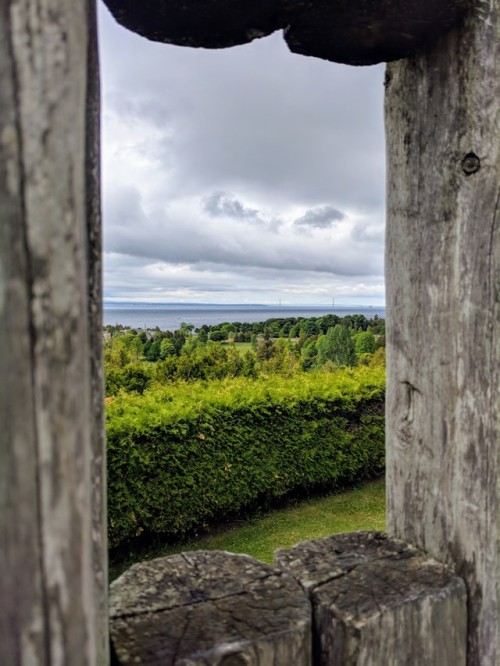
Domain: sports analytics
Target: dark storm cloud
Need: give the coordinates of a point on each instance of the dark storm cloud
(322, 217)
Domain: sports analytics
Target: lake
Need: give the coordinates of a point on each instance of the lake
(169, 317)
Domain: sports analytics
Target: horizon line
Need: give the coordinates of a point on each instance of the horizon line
(229, 305)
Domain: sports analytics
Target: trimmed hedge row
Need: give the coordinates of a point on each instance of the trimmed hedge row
(181, 456)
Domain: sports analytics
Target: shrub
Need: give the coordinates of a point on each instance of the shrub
(133, 377)
(181, 456)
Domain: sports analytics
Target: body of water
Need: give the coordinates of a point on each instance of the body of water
(170, 317)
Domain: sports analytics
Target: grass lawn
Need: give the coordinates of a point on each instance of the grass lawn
(243, 347)
(360, 509)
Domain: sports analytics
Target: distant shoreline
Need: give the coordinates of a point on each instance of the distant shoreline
(170, 317)
(284, 306)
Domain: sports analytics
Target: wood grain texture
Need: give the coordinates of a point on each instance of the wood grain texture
(209, 609)
(443, 292)
(22, 635)
(379, 602)
(359, 32)
(50, 600)
(94, 277)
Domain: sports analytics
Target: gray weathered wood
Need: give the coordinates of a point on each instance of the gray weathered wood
(209, 609)
(95, 348)
(23, 597)
(444, 343)
(50, 596)
(379, 602)
(359, 32)
(443, 292)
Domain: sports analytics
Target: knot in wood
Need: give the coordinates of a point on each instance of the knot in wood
(471, 164)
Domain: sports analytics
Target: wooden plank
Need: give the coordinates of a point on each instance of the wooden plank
(379, 602)
(360, 32)
(209, 609)
(443, 333)
(50, 600)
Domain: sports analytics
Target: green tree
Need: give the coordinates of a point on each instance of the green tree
(179, 340)
(257, 327)
(218, 335)
(115, 352)
(249, 368)
(337, 346)
(187, 328)
(308, 352)
(365, 342)
(133, 345)
(134, 377)
(265, 349)
(202, 336)
(284, 359)
(285, 330)
(153, 351)
(309, 327)
(167, 348)
(378, 358)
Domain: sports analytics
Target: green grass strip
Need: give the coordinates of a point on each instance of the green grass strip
(360, 509)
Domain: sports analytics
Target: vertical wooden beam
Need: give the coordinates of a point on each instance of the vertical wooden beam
(52, 601)
(378, 601)
(443, 293)
(22, 630)
(94, 277)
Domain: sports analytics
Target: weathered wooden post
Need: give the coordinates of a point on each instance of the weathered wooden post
(442, 255)
(443, 300)
(443, 284)
(378, 601)
(52, 545)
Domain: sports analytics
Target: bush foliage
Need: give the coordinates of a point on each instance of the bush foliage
(185, 455)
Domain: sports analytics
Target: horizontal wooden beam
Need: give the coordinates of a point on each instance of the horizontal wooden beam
(359, 32)
(349, 599)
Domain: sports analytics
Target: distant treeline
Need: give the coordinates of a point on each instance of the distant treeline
(138, 359)
(286, 327)
(291, 327)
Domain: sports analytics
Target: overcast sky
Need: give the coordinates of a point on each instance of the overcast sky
(245, 175)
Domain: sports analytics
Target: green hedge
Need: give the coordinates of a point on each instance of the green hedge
(183, 455)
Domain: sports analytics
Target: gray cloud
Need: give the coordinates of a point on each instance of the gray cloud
(262, 139)
(369, 232)
(220, 204)
(166, 235)
(131, 278)
(322, 217)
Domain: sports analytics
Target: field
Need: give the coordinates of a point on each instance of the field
(243, 347)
